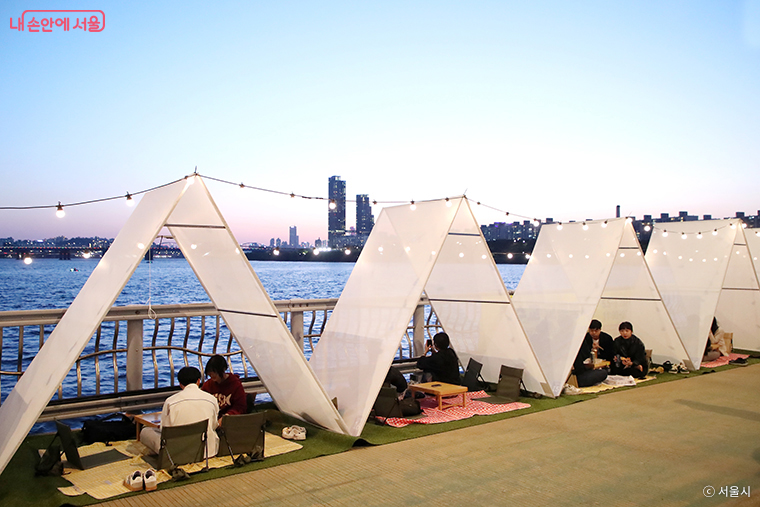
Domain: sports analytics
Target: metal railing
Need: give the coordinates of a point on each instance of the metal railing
(132, 359)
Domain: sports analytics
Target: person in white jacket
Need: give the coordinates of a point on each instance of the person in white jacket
(187, 406)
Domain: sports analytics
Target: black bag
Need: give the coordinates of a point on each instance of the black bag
(410, 406)
(50, 463)
(387, 404)
(106, 429)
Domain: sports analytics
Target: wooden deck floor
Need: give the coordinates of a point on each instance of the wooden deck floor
(655, 445)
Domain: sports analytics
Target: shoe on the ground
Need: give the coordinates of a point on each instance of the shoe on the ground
(287, 432)
(739, 361)
(683, 369)
(571, 390)
(150, 480)
(299, 433)
(134, 481)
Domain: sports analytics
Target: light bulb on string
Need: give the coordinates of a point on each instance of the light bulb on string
(757, 233)
(448, 203)
(647, 228)
(683, 235)
(536, 222)
(715, 232)
(332, 204)
(59, 212)
(276, 251)
(604, 224)
(412, 206)
(27, 260)
(664, 234)
(744, 225)
(733, 225)
(130, 201)
(559, 226)
(628, 220)
(374, 203)
(347, 251)
(316, 251)
(699, 235)
(292, 195)
(241, 185)
(585, 226)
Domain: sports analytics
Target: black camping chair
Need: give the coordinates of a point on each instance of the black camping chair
(472, 378)
(510, 380)
(180, 445)
(242, 435)
(386, 404)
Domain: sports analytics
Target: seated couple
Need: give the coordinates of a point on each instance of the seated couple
(221, 395)
(626, 355)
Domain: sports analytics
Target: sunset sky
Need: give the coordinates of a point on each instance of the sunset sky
(544, 109)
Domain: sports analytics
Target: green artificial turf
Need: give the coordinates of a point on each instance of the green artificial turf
(19, 486)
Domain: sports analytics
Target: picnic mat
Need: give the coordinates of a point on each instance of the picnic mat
(605, 387)
(107, 480)
(429, 407)
(723, 360)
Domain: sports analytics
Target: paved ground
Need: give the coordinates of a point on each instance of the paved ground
(655, 445)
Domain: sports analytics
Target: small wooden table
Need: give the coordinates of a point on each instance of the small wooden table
(441, 389)
(152, 420)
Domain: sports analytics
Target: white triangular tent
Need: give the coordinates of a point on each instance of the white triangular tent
(703, 270)
(753, 243)
(581, 271)
(187, 210)
(436, 247)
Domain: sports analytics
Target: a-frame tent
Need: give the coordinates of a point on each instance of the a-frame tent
(704, 270)
(580, 271)
(187, 210)
(437, 247)
(752, 236)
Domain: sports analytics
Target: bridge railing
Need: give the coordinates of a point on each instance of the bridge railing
(133, 357)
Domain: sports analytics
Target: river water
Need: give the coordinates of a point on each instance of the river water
(51, 283)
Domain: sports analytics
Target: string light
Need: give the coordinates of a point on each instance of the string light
(559, 226)
(664, 234)
(509, 256)
(715, 232)
(27, 260)
(292, 195)
(348, 251)
(130, 201)
(683, 235)
(412, 206)
(276, 251)
(536, 222)
(59, 212)
(744, 225)
(647, 228)
(332, 204)
(733, 225)
(604, 224)
(585, 226)
(699, 235)
(241, 185)
(628, 220)
(316, 251)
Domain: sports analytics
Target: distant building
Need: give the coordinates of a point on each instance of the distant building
(336, 218)
(293, 238)
(364, 219)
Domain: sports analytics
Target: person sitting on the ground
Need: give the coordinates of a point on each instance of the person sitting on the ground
(716, 344)
(225, 387)
(186, 407)
(630, 355)
(397, 380)
(583, 366)
(443, 364)
(601, 341)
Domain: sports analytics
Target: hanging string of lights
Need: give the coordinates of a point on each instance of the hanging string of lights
(129, 198)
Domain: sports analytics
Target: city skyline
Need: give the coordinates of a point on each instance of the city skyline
(544, 110)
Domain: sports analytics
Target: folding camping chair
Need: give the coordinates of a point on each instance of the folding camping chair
(242, 435)
(180, 445)
(472, 378)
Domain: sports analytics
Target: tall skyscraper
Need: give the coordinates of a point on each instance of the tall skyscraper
(336, 218)
(364, 219)
(294, 238)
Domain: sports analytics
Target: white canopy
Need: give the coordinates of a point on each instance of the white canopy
(703, 270)
(436, 247)
(187, 209)
(580, 271)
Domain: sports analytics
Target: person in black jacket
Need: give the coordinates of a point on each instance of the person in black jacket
(583, 366)
(442, 365)
(630, 355)
(601, 341)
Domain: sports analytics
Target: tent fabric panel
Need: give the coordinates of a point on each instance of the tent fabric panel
(651, 323)
(236, 291)
(738, 312)
(740, 273)
(49, 367)
(360, 340)
(469, 297)
(753, 243)
(689, 274)
(560, 289)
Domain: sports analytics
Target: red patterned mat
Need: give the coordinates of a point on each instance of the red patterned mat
(723, 360)
(455, 413)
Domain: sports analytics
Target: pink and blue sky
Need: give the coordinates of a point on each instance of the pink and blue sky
(545, 109)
